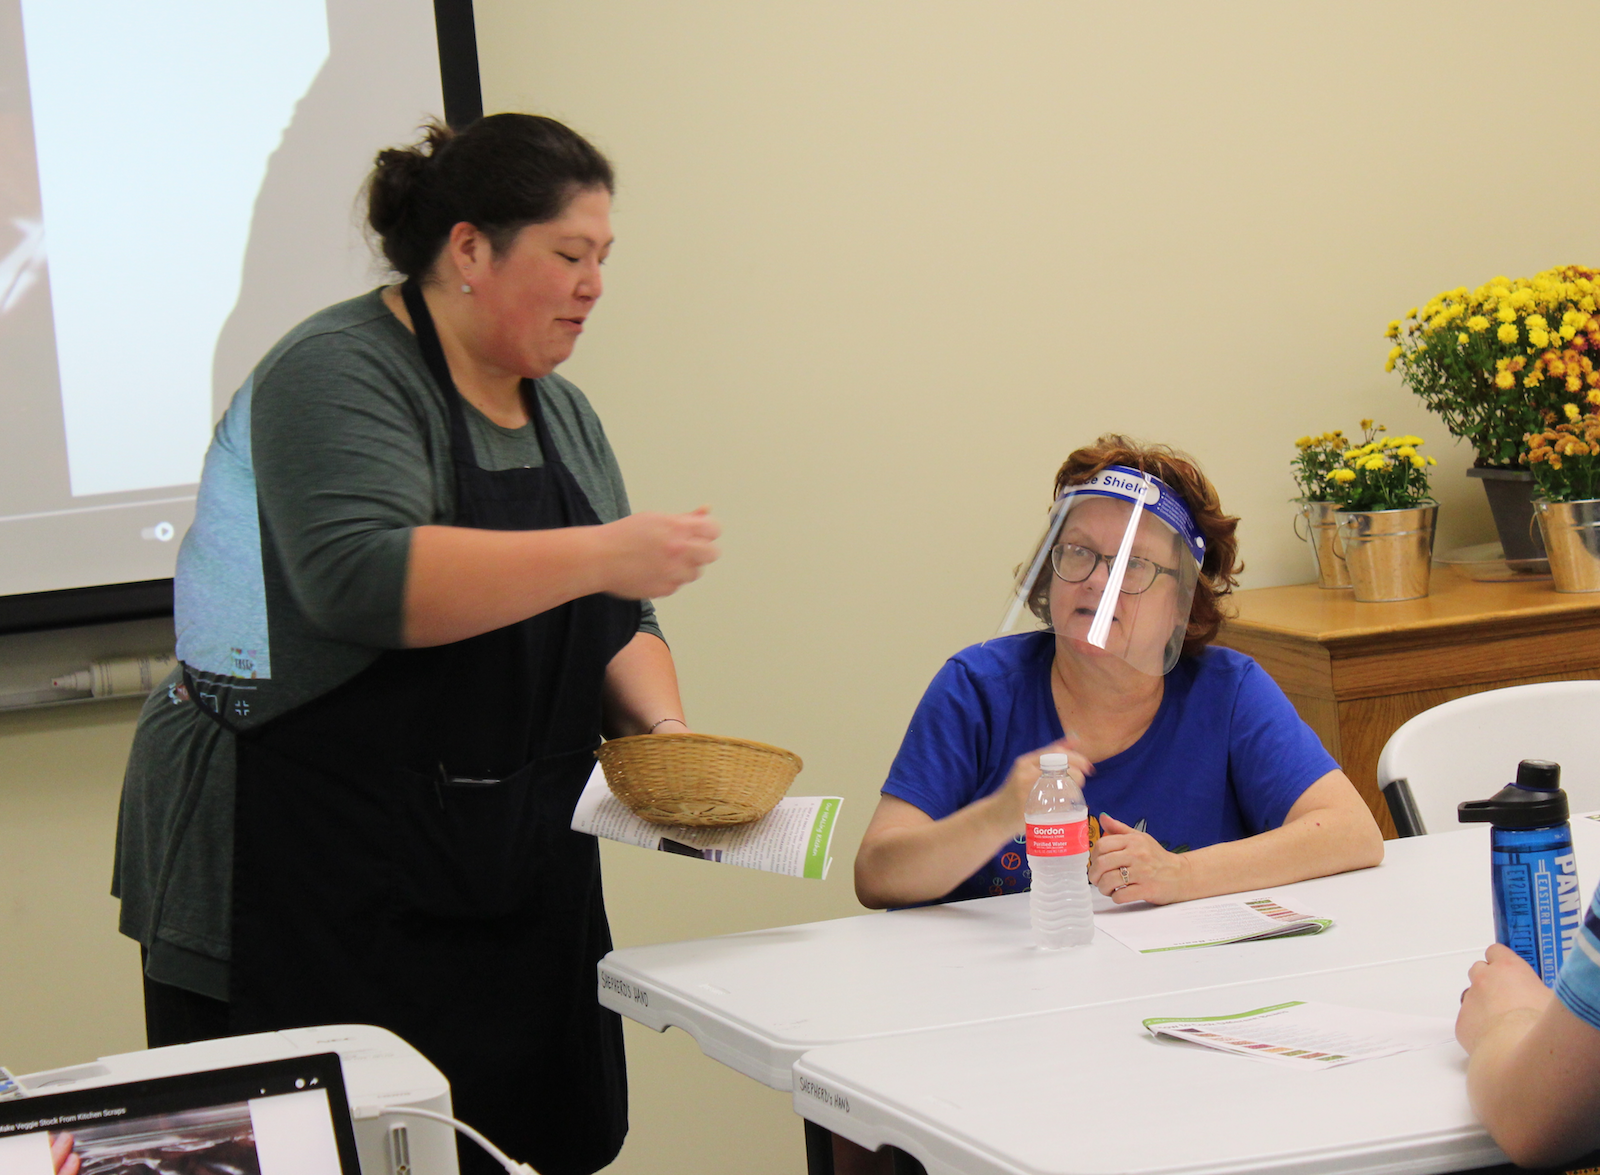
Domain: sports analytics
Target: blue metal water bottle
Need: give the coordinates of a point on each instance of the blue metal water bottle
(1538, 907)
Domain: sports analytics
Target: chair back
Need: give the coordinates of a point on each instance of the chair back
(1468, 749)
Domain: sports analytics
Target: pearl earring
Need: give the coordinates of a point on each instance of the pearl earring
(465, 288)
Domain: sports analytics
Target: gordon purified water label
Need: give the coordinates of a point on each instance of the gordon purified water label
(1058, 838)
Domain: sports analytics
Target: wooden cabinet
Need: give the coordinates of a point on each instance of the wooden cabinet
(1357, 671)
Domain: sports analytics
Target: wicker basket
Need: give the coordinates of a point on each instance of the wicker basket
(699, 779)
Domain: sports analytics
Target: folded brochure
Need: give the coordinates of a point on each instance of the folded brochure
(795, 838)
(1305, 1034)
(1208, 922)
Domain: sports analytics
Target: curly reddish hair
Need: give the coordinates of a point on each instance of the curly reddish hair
(1221, 567)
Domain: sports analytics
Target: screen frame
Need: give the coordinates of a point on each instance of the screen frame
(211, 1087)
(462, 89)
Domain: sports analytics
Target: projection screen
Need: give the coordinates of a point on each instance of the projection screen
(178, 187)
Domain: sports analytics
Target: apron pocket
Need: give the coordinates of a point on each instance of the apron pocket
(467, 848)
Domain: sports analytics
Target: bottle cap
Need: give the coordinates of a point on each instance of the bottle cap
(1534, 801)
(1539, 775)
(1055, 761)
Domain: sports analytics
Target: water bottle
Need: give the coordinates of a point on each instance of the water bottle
(1538, 907)
(1058, 855)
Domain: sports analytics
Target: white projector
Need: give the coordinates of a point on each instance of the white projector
(380, 1070)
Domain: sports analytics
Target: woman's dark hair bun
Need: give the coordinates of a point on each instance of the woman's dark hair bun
(397, 196)
(500, 174)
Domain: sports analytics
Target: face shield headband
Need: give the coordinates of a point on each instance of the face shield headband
(1142, 533)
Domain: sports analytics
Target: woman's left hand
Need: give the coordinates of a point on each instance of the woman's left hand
(1152, 874)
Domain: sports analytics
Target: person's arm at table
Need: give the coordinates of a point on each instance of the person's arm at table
(1329, 829)
(462, 581)
(641, 690)
(345, 492)
(1534, 1073)
(907, 856)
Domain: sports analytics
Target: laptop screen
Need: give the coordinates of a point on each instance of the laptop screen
(286, 1117)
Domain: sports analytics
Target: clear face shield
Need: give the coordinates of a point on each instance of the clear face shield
(1114, 573)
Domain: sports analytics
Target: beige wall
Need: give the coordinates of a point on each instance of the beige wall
(70, 986)
(879, 267)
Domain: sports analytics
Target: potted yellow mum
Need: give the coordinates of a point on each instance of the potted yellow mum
(1315, 458)
(1493, 362)
(1564, 459)
(1385, 516)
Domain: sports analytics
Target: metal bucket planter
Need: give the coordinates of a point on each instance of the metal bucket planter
(1389, 552)
(1572, 540)
(1322, 533)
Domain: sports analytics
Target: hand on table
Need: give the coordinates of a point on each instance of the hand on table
(653, 555)
(1502, 985)
(1154, 875)
(66, 1162)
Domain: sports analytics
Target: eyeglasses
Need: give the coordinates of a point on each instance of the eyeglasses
(1074, 564)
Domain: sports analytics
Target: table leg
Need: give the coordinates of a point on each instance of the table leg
(819, 1149)
(819, 1154)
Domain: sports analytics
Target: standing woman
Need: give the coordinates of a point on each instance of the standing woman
(412, 601)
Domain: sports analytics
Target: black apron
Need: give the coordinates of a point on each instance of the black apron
(403, 853)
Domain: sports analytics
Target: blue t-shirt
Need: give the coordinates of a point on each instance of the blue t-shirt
(1578, 981)
(1226, 756)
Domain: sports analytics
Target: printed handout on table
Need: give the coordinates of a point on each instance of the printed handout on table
(1208, 922)
(1306, 1034)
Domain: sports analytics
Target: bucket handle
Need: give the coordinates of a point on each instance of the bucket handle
(1400, 534)
(1338, 547)
(1299, 517)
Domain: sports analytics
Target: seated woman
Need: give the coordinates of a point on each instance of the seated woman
(1204, 779)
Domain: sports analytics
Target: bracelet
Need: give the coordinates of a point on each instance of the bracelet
(679, 721)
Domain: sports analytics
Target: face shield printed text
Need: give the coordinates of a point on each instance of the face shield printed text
(1121, 482)
(1127, 483)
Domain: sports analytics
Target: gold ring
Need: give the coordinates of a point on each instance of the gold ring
(1125, 880)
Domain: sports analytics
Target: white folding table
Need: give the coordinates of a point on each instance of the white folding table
(1091, 1092)
(760, 1001)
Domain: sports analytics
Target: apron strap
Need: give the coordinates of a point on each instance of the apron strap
(433, 355)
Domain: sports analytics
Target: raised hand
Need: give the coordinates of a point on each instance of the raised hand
(653, 555)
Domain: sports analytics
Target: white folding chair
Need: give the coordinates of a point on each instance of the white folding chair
(1469, 748)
